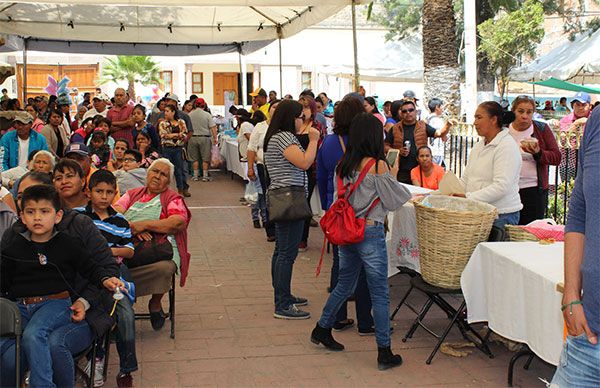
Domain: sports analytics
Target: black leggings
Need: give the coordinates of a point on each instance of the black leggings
(312, 182)
(535, 202)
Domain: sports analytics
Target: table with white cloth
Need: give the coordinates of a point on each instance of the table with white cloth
(513, 287)
(401, 240)
(229, 150)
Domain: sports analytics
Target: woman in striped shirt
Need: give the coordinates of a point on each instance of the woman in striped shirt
(286, 162)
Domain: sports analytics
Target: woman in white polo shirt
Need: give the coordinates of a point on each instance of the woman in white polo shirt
(494, 166)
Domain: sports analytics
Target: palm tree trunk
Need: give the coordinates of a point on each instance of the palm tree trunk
(131, 89)
(441, 72)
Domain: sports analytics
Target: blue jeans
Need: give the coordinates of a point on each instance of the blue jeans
(66, 341)
(371, 254)
(39, 320)
(126, 336)
(288, 236)
(175, 156)
(507, 219)
(579, 365)
(362, 298)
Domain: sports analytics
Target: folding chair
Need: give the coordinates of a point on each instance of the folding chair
(10, 326)
(434, 295)
(170, 314)
(91, 352)
(412, 273)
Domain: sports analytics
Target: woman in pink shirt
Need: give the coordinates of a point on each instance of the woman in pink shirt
(371, 107)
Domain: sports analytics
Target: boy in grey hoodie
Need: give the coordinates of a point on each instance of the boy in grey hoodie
(132, 175)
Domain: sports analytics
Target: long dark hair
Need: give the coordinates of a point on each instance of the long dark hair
(494, 109)
(365, 139)
(373, 103)
(175, 111)
(396, 105)
(344, 113)
(284, 119)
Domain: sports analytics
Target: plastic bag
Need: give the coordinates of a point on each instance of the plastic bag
(251, 194)
(216, 160)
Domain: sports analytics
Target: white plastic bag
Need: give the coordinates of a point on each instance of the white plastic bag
(251, 194)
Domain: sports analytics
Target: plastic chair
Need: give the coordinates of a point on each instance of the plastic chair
(10, 326)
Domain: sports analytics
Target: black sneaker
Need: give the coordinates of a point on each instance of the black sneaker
(291, 312)
(371, 331)
(299, 301)
(256, 224)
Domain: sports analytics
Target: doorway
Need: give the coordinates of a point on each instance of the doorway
(223, 82)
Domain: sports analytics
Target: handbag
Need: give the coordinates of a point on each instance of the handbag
(288, 204)
(159, 248)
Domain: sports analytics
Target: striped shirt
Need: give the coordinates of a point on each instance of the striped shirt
(282, 173)
(115, 228)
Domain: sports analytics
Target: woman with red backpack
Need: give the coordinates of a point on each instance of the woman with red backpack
(372, 192)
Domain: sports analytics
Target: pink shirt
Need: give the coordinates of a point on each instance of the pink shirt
(121, 114)
(175, 207)
(528, 176)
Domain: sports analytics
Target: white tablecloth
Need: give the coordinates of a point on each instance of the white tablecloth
(401, 241)
(512, 286)
(232, 159)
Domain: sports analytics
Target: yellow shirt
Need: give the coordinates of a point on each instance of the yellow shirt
(263, 108)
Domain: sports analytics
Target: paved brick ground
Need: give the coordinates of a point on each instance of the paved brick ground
(226, 334)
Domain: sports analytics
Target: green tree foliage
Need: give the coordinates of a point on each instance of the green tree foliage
(506, 38)
(142, 69)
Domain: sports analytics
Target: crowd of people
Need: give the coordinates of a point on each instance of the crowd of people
(98, 184)
(101, 181)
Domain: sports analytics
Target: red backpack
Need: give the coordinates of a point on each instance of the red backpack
(339, 223)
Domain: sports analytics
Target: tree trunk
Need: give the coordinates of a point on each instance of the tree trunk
(441, 72)
(131, 89)
(485, 79)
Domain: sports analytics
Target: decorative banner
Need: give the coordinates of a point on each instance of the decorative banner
(57, 88)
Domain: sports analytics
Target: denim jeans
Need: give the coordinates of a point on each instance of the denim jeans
(362, 298)
(175, 156)
(507, 219)
(38, 320)
(288, 236)
(66, 341)
(371, 254)
(126, 336)
(579, 365)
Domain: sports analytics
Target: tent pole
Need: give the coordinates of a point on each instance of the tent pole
(469, 100)
(280, 63)
(243, 75)
(355, 45)
(25, 41)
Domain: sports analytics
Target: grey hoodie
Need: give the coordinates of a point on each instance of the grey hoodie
(127, 180)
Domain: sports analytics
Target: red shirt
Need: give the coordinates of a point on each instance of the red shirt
(121, 114)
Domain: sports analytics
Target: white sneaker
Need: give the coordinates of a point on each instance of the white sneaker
(195, 179)
(98, 371)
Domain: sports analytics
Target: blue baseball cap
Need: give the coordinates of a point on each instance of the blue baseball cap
(77, 148)
(582, 97)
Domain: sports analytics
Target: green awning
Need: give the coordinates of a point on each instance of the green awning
(564, 85)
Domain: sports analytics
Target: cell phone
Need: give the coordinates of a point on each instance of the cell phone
(391, 156)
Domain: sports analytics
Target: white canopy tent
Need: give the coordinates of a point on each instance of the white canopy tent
(576, 62)
(149, 27)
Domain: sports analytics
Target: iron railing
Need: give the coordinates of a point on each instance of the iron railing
(561, 178)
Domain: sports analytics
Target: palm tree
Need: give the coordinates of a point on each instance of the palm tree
(441, 72)
(142, 69)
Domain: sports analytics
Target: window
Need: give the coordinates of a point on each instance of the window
(166, 78)
(306, 80)
(197, 83)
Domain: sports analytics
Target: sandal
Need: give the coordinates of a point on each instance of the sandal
(343, 325)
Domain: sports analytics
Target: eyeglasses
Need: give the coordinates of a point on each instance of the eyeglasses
(128, 160)
(408, 110)
(301, 117)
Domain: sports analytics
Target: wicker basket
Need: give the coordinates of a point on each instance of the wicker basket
(447, 238)
(516, 233)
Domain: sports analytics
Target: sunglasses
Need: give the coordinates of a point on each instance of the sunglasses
(407, 110)
(301, 117)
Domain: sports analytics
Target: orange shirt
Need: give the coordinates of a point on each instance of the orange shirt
(429, 182)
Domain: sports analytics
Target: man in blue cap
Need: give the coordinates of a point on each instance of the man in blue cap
(581, 104)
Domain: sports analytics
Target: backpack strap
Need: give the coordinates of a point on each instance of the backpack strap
(362, 175)
(341, 139)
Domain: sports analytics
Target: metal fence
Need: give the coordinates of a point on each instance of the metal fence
(561, 178)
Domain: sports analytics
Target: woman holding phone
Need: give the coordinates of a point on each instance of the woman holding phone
(365, 151)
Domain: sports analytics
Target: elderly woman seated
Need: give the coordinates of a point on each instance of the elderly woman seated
(38, 161)
(156, 212)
